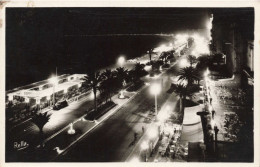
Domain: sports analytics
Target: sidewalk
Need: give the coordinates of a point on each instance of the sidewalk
(220, 107)
(153, 131)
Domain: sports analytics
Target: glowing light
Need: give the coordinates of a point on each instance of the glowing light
(181, 38)
(163, 115)
(79, 85)
(152, 133)
(10, 97)
(92, 96)
(121, 60)
(163, 48)
(135, 159)
(201, 45)
(144, 146)
(27, 100)
(184, 63)
(155, 89)
(53, 80)
(206, 73)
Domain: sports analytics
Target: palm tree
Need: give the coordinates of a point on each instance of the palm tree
(121, 74)
(92, 80)
(107, 84)
(192, 59)
(105, 89)
(40, 120)
(188, 74)
(164, 56)
(138, 72)
(180, 90)
(150, 53)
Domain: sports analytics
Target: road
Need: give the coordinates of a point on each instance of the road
(113, 140)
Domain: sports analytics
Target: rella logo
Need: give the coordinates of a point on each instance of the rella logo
(20, 145)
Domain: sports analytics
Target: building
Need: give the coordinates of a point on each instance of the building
(43, 91)
(233, 36)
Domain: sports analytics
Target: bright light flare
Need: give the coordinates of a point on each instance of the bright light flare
(201, 45)
(152, 133)
(27, 100)
(163, 48)
(10, 97)
(53, 80)
(144, 146)
(121, 60)
(135, 159)
(155, 89)
(184, 63)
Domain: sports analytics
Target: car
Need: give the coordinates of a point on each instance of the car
(59, 105)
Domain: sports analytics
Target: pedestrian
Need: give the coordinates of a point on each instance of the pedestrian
(135, 136)
(174, 130)
(143, 129)
(213, 113)
(210, 100)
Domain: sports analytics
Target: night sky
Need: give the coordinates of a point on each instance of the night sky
(39, 39)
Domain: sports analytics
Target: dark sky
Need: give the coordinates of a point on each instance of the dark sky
(39, 39)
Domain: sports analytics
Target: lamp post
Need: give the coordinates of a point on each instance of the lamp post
(155, 90)
(121, 61)
(144, 147)
(53, 81)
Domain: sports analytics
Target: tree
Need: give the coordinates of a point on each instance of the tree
(164, 56)
(107, 84)
(92, 80)
(121, 74)
(40, 120)
(192, 59)
(137, 72)
(180, 90)
(150, 53)
(188, 74)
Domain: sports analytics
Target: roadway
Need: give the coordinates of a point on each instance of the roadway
(113, 140)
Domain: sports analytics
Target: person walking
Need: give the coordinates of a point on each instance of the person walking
(213, 114)
(143, 129)
(135, 136)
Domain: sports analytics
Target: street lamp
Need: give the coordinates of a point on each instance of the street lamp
(54, 82)
(155, 90)
(121, 60)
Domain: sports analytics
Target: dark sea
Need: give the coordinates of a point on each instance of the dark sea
(75, 54)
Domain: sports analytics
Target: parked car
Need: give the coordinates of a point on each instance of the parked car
(59, 105)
